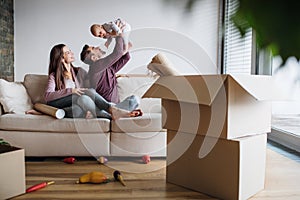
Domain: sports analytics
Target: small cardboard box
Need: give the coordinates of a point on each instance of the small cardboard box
(221, 106)
(233, 169)
(12, 171)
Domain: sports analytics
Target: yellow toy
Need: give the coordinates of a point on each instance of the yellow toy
(93, 177)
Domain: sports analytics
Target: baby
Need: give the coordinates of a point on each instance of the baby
(112, 29)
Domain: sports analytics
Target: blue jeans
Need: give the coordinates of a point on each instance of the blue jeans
(95, 103)
(130, 103)
(76, 106)
(72, 110)
(100, 108)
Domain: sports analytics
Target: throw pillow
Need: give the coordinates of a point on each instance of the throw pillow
(13, 97)
(129, 85)
(35, 85)
(138, 85)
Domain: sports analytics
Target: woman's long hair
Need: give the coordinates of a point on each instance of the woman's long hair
(56, 65)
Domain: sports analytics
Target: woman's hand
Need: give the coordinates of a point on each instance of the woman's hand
(78, 91)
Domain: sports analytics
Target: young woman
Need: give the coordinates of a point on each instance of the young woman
(66, 89)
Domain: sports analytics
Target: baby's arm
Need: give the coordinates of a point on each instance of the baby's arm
(108, 41)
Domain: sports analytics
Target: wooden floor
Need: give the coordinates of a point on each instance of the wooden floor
(149, 182)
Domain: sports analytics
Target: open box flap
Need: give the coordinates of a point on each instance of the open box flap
(200, 89)
(259, 86)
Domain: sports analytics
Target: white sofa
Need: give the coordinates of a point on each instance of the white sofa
(43, 135)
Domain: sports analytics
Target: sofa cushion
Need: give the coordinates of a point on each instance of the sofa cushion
(35, 85)
(138, 85)
(146, 123)
(13, 97)
(150, 105)
(44, 144)
(139, 144)
(44, 123)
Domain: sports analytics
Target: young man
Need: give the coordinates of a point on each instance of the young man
(102, 72)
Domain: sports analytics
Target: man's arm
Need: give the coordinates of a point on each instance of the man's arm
(121, 62)
(109, 60)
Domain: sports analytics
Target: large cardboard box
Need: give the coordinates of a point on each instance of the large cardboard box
(12, 171)
(221, 106)
(233, 169)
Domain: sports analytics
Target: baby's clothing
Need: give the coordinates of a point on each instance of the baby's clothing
(112, 28)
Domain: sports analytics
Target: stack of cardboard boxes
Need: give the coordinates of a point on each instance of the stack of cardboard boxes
(217, 127)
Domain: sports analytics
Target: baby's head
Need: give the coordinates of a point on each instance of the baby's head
(97, 30)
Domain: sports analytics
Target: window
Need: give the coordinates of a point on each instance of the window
(240, 55)
(286, 114)
(237, 56)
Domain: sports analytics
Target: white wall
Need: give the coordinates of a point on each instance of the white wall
(190, 42)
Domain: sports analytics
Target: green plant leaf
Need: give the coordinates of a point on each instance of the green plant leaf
(275, 22)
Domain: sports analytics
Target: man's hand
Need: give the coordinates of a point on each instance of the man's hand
(106, 44)
(121, 26)
(78, 91)
(118, 23)
(129, 45)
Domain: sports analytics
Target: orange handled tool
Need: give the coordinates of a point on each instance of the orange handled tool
(38, 186)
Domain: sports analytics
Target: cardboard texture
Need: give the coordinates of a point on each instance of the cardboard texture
(221, 106)
(233, 169)
(12, 171)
